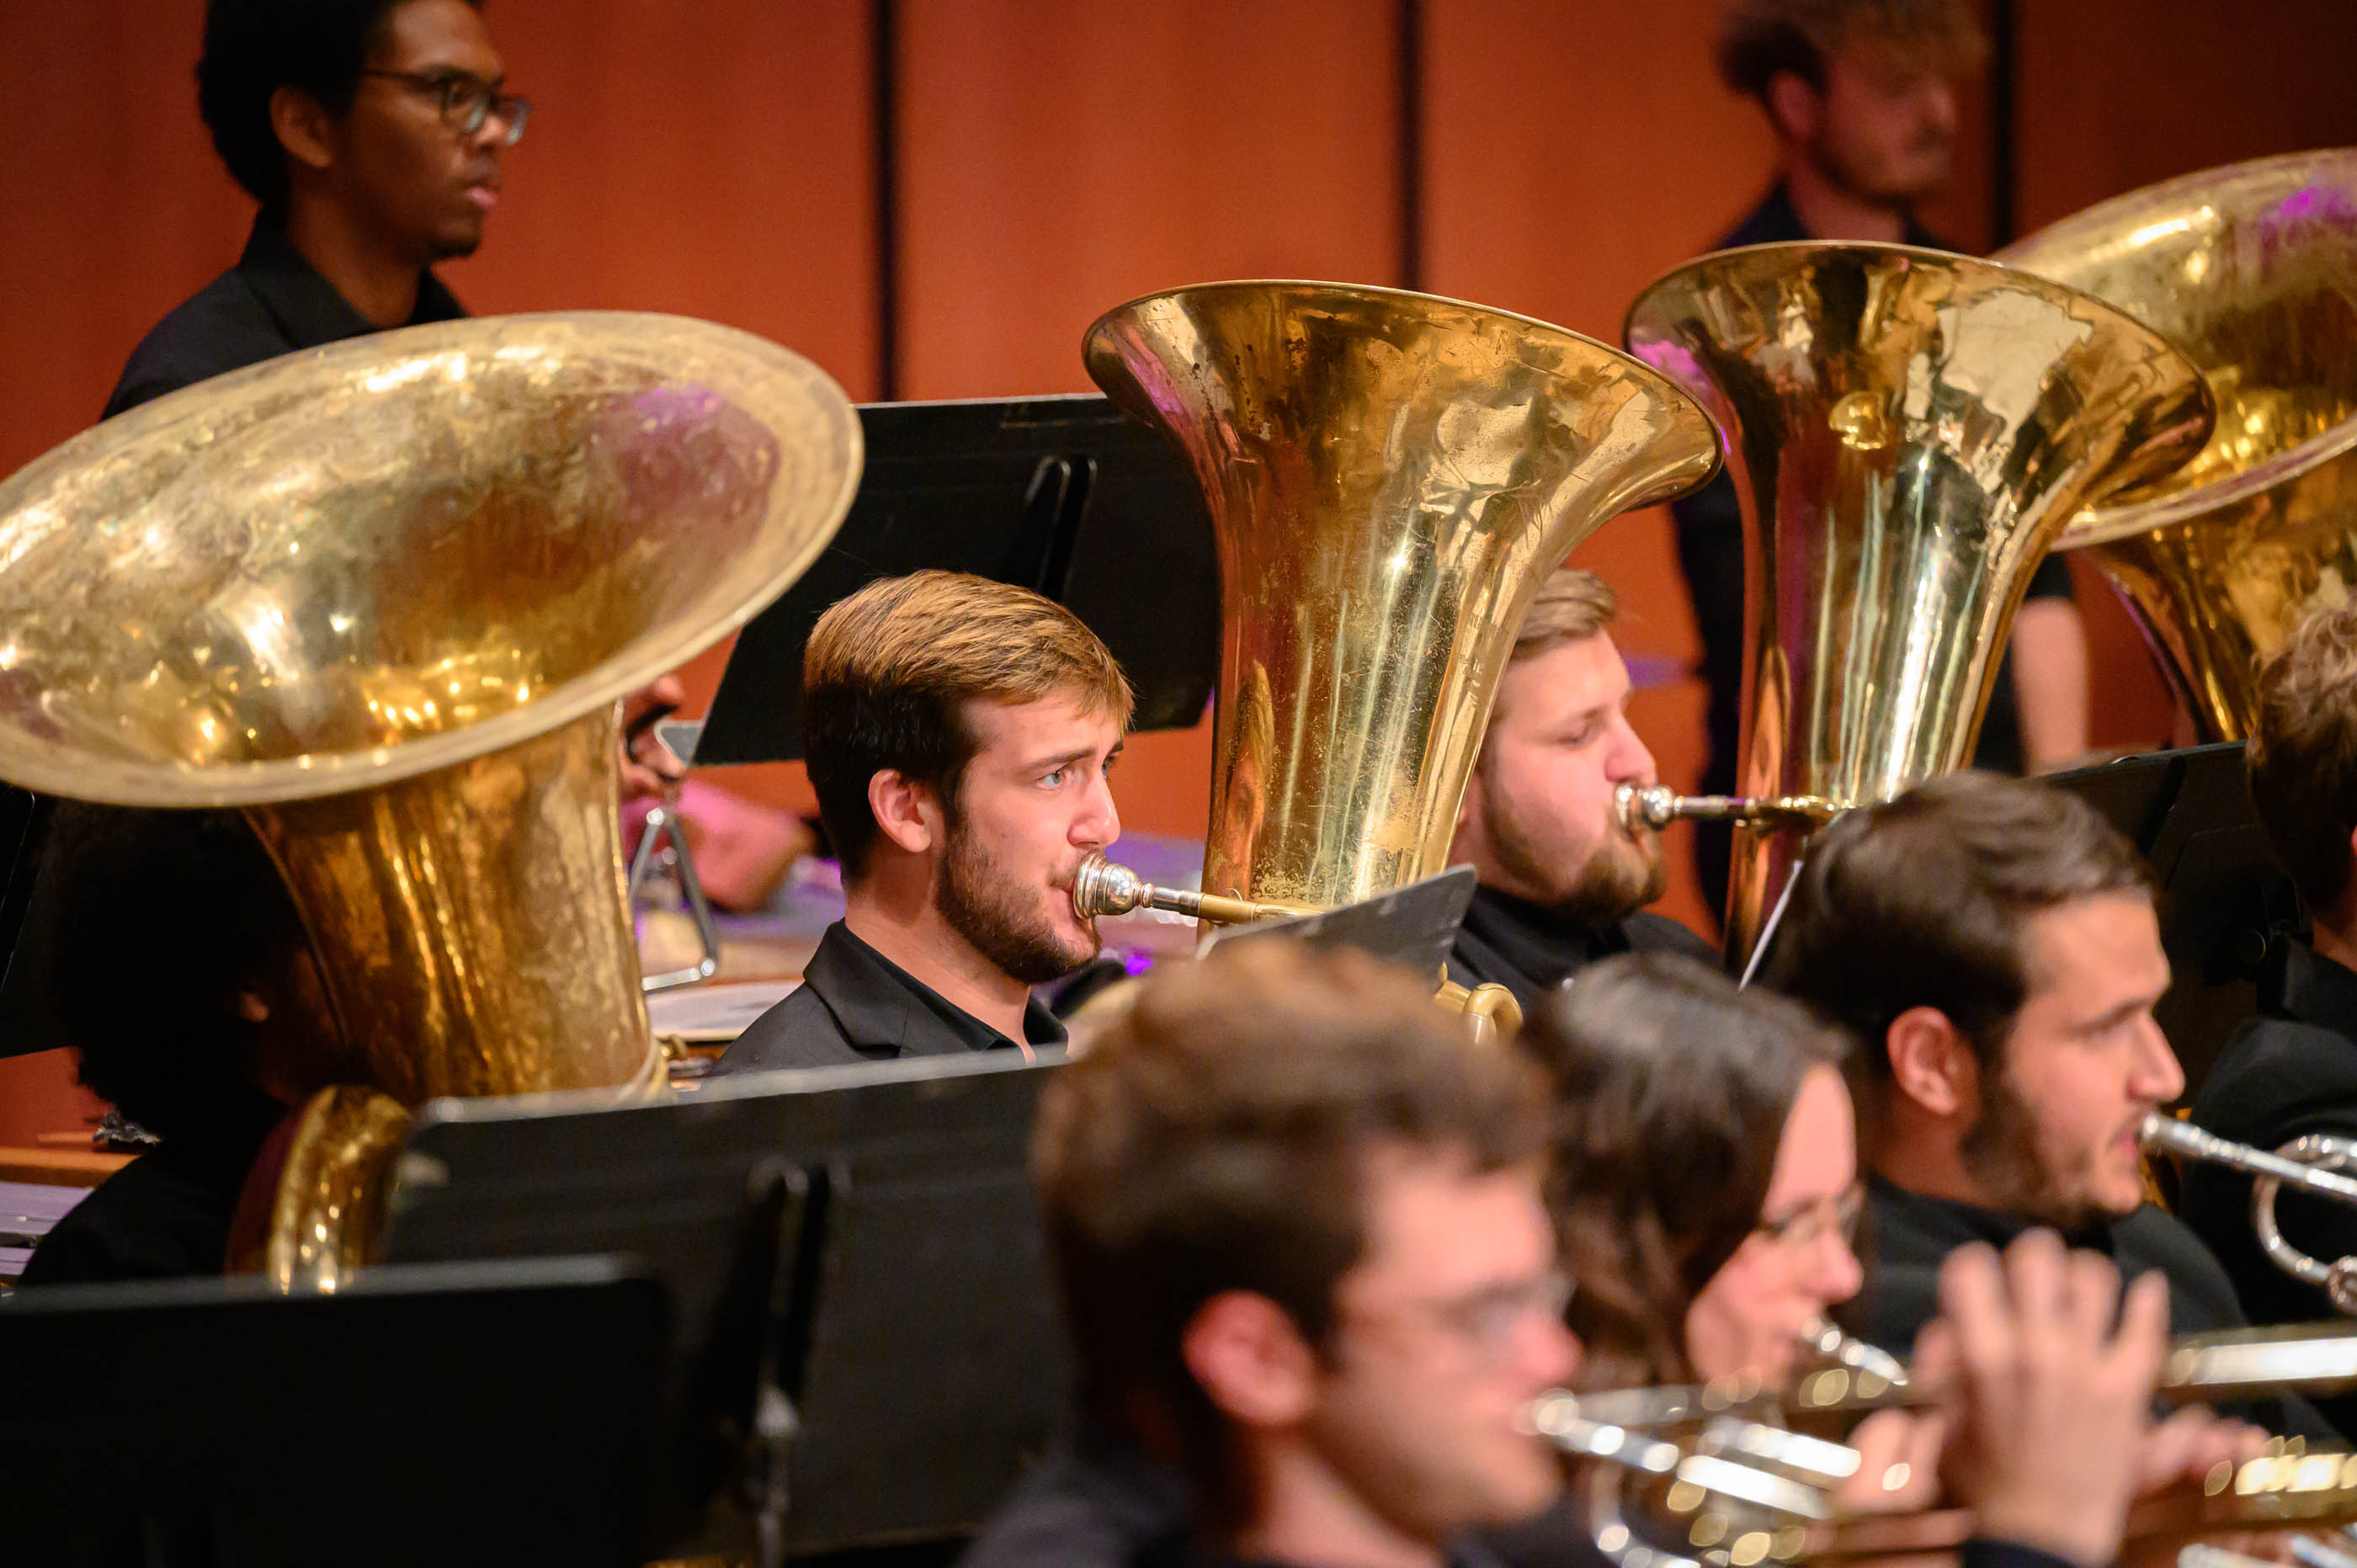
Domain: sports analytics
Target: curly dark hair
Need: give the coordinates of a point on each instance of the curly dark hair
(254, 47)
(1672, 1089)
(162, 918)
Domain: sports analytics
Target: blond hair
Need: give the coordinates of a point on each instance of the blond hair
(2303, 755)
(1761, 39)
(889, 671)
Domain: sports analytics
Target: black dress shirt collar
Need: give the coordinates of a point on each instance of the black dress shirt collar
(306, 306)
(1949, 1224)
(874, 999)
(1776, 220)
(2317, 990)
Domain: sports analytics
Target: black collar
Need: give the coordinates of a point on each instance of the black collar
(1540, 942)
(874, 999)
(1776, 220)
(1949, 1224)
(2317, 990)
(306, 306)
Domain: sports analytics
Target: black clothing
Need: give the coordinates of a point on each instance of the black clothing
(271, 302)
(2291, 1070)
(1529, 951)
(166, 1213)
(857, 1005)
(1096, 1503)
(1910, 1235)
(1177, 1552)
(1710, 552)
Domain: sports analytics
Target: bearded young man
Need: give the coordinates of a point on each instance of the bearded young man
(1561, 885)
(1861, 97)
(958, 733)
(1992, 944)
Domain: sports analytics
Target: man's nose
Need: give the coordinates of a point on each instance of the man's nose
(2158, 1077)
(1553, 1352)
(1099, 823)
(1629, 759)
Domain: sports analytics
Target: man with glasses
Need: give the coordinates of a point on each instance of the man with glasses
(370, 131)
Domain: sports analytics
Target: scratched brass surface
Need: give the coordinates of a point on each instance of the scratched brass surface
(1391, 477)
(384, 596)
(2252, 269)
(1908, 431)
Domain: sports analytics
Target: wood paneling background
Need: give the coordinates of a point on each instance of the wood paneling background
(1054, 158)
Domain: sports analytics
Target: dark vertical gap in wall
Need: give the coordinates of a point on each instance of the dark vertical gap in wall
(1410, 15)
(2003, 72)
(884, 74)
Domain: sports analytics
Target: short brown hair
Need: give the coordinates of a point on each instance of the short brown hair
(1215, 1139)
(1572, 605)
(2303, 756)
(1922, 902)
(1671, 1090)
(1761, 39)
(889, 672)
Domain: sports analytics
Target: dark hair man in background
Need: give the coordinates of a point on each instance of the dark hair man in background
(1561, 885)
(1992, 944)
(1860, 96)
(179, 972)
(2292, 1070)
(958, 733)
(370, 131)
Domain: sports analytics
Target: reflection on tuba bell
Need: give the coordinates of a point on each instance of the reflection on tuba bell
(1391, 477)
(2248, 268)
(1907, 431)
(384, 596)
(2312, 1164)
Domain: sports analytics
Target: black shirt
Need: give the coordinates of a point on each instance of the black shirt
(2291, 1070)
(1095, 1503)
(1710, 552)
(1911, 1234)
(166, 1213)
(1529, 951)
(857, 1005)
(271, 302)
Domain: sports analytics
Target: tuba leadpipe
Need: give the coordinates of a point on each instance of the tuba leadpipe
(1638, 807)
(1102, 887)
(2295, 1164)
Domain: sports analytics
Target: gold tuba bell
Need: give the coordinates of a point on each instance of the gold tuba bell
(1391, 477)
(1908, 431)
(2253, 269)
(384, 596)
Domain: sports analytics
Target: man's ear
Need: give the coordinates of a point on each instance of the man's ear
(1932, 1063)
(1249, 1359)
(301, 125)
(907, 812)
(1793, 106)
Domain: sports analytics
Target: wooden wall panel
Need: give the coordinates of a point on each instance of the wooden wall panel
(1059, 157)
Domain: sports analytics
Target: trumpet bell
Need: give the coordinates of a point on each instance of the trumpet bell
(384, 596)
(2250, 270)
(1908, 431)
(1390, 478)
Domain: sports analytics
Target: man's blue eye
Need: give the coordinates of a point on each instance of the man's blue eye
(1054, 779)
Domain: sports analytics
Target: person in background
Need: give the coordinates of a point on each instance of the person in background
(1562, 884)
(2292, 1070)
(1860, 96)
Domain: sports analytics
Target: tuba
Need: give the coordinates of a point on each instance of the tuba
(1908, 431)
(1391, 477)
(383, 597)
(2253, 269)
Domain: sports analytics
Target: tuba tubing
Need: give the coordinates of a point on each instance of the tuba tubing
(1636, 806)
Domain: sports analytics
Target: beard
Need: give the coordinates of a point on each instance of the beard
(1621, 875)
(2001, 1152)
(1868, 179)
(988, 905)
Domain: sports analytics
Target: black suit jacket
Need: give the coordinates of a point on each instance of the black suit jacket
(2290, 1071)
(1530, 951)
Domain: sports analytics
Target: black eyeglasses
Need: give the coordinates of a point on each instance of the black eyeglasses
(466, 101)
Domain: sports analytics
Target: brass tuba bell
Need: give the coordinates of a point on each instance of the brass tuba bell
(1391, 477)
(1908, 431)
(384, 596)
(2253, 270)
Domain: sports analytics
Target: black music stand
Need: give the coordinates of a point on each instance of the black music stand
(2226, 908)
(1064, 495)
(26, 1021)
(916, 1337)
(478, 1414)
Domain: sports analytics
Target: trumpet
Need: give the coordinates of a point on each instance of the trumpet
(2310, 1163)
(1728, 1473)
